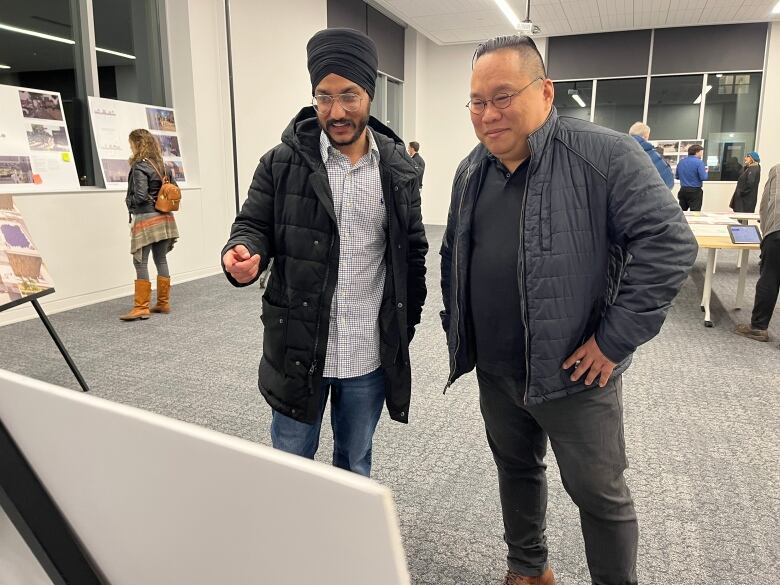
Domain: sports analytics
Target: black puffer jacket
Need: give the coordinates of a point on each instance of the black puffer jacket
(143, 185)
(745, 195)
(289, 216)
(604, 249)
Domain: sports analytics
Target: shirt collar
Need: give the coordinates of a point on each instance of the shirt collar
(326, 148)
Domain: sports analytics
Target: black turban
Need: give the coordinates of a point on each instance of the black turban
(345, 52)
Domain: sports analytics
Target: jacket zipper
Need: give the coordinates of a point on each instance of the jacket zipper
(522, 285)
(457, 308)
(313, 367)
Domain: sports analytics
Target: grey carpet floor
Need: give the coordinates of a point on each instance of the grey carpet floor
(701, 412)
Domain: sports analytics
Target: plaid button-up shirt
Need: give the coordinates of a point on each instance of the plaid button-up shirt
(353, 335)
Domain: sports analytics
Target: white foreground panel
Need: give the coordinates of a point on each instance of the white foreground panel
(158, 501)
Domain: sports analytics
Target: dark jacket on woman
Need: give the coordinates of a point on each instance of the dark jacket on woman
(745, 195)
(143, 185)
(289, 216)
(604, 250)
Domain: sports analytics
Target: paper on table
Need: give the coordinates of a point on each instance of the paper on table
(710, 219)
(708, 230)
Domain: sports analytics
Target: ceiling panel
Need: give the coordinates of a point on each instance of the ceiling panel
(465, 21)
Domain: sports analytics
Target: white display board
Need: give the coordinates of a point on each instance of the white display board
(159, 501)
(112, 122)
(35, 149)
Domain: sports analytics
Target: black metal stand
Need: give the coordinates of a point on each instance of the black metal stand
(50, 328)
(60, 346)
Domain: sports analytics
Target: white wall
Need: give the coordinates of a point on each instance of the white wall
(443, 126)
(415, 57)
(270, 78)
(769, 138)
(84, 236)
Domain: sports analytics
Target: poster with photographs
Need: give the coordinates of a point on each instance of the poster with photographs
(23, 274)
(112, 122)
(35, 149)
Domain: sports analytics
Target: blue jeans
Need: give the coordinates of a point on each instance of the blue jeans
(355, 408)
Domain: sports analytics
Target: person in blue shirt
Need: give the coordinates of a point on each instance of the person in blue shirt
(691, 172)
(641, 133)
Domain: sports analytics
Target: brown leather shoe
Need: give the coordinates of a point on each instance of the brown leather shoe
(750, 333)
(140, 310)
(163, 304)
(546, 578)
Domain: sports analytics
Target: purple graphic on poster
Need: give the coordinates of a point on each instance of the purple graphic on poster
(14, 236)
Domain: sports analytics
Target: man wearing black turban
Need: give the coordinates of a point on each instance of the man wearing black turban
(336, 205)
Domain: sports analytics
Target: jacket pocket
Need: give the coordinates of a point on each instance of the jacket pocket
(619, 260)
(275, 324)
(545, 217)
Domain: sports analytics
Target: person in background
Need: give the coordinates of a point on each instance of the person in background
(150, 230)
(746, 192)
(660, 150)
(692, 173)
(419, 163)
(768, 284)
(641, 133)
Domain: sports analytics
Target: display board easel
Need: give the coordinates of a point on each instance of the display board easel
(23, 274)
(152, 500)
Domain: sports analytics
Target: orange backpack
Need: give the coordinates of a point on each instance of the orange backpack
(169, 196)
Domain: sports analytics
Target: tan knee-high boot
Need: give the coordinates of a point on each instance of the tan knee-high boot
(143, 294)
(163, 295)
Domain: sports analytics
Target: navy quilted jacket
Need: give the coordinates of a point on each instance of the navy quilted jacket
(605, 249)
(661, 165)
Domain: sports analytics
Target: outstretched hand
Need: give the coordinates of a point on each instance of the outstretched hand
(588, 358)
(240, 264)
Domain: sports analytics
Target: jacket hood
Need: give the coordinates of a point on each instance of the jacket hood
(303, 136)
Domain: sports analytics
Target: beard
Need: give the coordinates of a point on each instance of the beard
(359, 127)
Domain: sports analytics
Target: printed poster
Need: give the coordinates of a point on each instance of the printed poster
(112, 122)
(23, 274)
(35, 149)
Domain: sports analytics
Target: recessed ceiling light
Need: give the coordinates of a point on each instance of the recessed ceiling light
(719, 75)
(508, 12)
(33, 33)
(576, 97)
(5, 66)
(117, 53)
(776, 9)
(706, 91)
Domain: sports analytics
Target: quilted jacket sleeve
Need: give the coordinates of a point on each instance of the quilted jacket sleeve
(447, 247)
(646, 221)
(254, 224)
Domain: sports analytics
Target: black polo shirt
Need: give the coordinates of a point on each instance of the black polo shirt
(495, 301)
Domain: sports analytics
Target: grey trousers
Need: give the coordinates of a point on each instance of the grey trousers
(586, 434)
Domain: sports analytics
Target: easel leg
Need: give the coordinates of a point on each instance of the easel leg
(60, 346)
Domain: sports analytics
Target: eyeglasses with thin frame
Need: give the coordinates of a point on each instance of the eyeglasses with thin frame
(501, 100)
(350, 102)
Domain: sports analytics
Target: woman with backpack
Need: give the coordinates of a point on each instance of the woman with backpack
(151, 230)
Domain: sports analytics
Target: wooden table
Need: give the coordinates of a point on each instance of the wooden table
(712, 244)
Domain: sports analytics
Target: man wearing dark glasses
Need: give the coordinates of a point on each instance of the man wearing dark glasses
(337, 207)
(562, 254)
